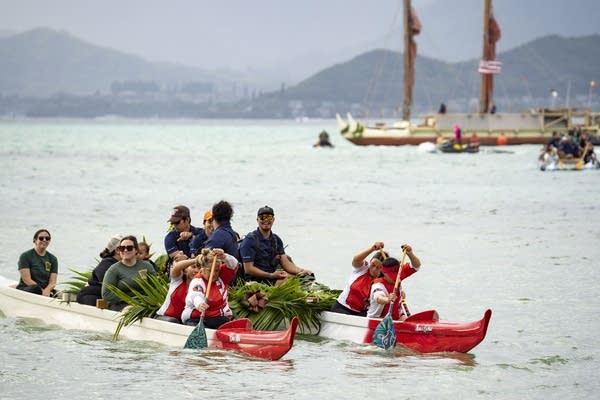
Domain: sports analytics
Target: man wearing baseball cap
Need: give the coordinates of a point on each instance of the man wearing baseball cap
(263, 253)
(181, 233)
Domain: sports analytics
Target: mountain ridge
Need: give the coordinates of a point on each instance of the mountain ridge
(43, 63)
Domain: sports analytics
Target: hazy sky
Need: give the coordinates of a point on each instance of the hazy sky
(251, 32)
(242, 34)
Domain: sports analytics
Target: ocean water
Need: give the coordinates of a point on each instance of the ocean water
(491, 230)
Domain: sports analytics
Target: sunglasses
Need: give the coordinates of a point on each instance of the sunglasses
(126, 248)
(208, 220)
(44, 238)
(266, 217)
(178, 222)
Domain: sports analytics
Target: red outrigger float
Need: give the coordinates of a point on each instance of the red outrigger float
(239, 335)
(422, 332)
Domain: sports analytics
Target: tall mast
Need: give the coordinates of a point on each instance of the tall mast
(491, 34)
(412, 27)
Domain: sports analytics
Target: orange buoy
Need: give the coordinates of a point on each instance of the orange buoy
(501, 140)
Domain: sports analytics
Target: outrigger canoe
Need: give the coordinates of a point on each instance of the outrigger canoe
(422, 332)
(236, 335)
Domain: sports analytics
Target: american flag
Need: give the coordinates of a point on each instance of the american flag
(489, 67)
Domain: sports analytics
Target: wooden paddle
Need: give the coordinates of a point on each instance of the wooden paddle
(385, 333)
(579, 164)
(197, 339)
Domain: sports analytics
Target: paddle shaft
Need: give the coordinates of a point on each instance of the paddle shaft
(398, 280)
(579, 164)
(209, 284)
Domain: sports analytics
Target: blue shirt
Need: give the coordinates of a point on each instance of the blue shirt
(198, 241)
(224, 238)
(171, 243)
(262, 255)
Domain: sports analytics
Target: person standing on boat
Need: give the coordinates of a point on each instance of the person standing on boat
(177, 241)
(263, 255)
(93, 290)
(216, 308)
(201, 238)
(38, 268)
(182, 272)
(442, 109)
(382, 290)
(457, 134)
(354, 299)
(123, 274)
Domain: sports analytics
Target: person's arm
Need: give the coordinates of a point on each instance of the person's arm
(180, 266)
(110, 278)
(171, 247)
(252, 270)
(196, 295)
(230, 261)
(25, 274)
(47, 291)
(414, 260)
(291, 268)
(382, 298)
(358, 259)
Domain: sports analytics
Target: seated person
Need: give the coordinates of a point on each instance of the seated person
(200, 239)
(123, 274)
(93, 291)
(262, 252)
(323, 140)
(567, 148)
(216, 307)
(144, 253)
(38, 268)
(178, 239)
(382, 289)
(182, 273)
(354, 299)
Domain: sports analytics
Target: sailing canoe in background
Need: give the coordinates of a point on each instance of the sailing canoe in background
(534, 126)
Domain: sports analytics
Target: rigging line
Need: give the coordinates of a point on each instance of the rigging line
(499, 84)
(529, 95)
(371, 91)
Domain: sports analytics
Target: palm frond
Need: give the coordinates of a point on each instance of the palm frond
(284, 302)
(75, 283)
(141, 303)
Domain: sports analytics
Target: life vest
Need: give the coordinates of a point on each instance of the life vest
(358, 296)
(217, 298)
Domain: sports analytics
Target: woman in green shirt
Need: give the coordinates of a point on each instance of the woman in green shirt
(38, 267)
(122, 274)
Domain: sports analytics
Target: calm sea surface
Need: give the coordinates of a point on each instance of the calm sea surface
(492, 231)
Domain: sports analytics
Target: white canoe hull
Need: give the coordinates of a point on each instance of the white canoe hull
(72, 315)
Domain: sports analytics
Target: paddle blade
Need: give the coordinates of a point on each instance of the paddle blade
(385, 333)
(197, 339)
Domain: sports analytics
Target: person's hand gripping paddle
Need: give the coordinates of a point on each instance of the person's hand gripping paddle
(197, 339)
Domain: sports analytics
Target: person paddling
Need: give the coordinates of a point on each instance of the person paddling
(216, 308)
(354, 299)
(181, 274)
(382, 290)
